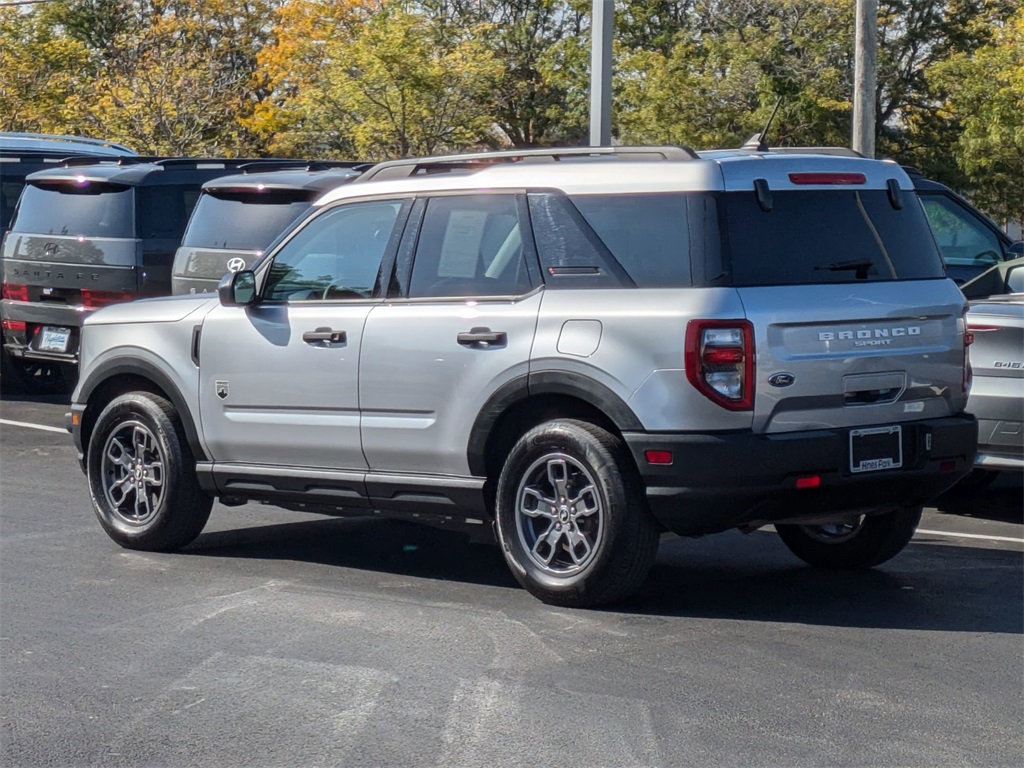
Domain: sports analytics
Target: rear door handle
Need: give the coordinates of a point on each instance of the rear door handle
(325, 337)
(482, 337)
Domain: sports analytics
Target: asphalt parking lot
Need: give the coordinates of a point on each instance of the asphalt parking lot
(280, 639)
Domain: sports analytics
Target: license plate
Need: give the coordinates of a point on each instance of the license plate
(53, 339)
(875, 449)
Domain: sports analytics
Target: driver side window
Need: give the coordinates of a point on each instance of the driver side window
(962, 239)
(335, 256)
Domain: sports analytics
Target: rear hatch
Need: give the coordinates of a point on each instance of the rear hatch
(73, 244)
(229, 229)
(854, 321)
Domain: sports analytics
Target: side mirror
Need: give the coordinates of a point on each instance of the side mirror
(238, 289)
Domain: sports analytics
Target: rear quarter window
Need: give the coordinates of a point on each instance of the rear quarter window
(828, 236)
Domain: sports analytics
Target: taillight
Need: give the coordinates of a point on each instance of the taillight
(828, 178)
(968, 340)
(95, 299)
(720, 361)
(14, 291)
(18, 326)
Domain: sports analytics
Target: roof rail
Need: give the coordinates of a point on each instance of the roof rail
(33, 137)
(76, 160)
(285, 164)
(414, 166)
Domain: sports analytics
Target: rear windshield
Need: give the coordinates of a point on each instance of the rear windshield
(90, 210)
(244, 221)
(831, 236)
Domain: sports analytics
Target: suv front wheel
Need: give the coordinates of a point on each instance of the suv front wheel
(862, 542)
(572, 520)
(142, 475)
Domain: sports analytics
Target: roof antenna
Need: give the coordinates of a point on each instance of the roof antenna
(756, 143)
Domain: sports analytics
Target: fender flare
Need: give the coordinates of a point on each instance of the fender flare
(146, 370)
(568, 383)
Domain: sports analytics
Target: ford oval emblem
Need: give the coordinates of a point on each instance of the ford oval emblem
(782, 379)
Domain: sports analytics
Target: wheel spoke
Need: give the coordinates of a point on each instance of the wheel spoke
(551, 538)
(119, 490)
(577, 540)
(154, 474)
(558, 475)
(121, 458)
(535, 504)
(586, 502)
(142, 500)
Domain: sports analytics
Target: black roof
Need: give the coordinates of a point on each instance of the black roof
(312, 177)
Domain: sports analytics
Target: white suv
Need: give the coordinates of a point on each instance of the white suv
(584, 347)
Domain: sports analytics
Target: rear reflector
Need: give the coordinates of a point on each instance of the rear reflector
(14, 325)
(811, 481)
(947, 466)
(94, 299)
(828, 178)
(658, 457)
(14, 291)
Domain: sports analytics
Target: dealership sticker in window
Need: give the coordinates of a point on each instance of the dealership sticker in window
(460, 250)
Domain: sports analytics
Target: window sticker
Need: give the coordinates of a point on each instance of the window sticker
(460, 250)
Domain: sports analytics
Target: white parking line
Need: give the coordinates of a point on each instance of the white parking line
(956, 535)
(33, 426)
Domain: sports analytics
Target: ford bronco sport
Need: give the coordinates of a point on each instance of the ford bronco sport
(582, 348)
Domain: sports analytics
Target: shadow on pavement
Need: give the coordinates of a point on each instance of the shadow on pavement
(930, 586)
(1003, 501)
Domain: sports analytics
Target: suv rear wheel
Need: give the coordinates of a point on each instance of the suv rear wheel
(142, 475)
(571, 518)
(862, 543)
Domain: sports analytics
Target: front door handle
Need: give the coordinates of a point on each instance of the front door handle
(325, 337)
(482, 337)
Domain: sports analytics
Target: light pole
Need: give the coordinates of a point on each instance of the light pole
(865, 62)
(602, 17)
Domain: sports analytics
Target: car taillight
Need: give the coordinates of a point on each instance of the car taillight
(95, 299)
(720, 361)
(13, 325)
(828, 178)
(968, 340)
(14, 291)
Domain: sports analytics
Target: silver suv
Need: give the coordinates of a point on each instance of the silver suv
(582, 348)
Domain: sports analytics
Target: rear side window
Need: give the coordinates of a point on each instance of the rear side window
(164, 210)
(662, 240)
(832, 236)
(246, 221)
(91, 209)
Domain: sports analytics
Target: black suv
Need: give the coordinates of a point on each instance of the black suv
(970, 242)
(20, 155)
(239, 216)
(91, 233)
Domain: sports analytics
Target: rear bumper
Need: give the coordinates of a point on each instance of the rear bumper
(717, 482)
(35, 315)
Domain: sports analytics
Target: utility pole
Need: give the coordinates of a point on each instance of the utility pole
(602, 18)
(865, 64)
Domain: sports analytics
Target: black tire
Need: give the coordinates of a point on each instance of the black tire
(138, 444)
(32, 377)
(598, 536)
(866, 543)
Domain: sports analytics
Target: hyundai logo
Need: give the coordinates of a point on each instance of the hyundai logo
(236, 264)
(50, 248)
